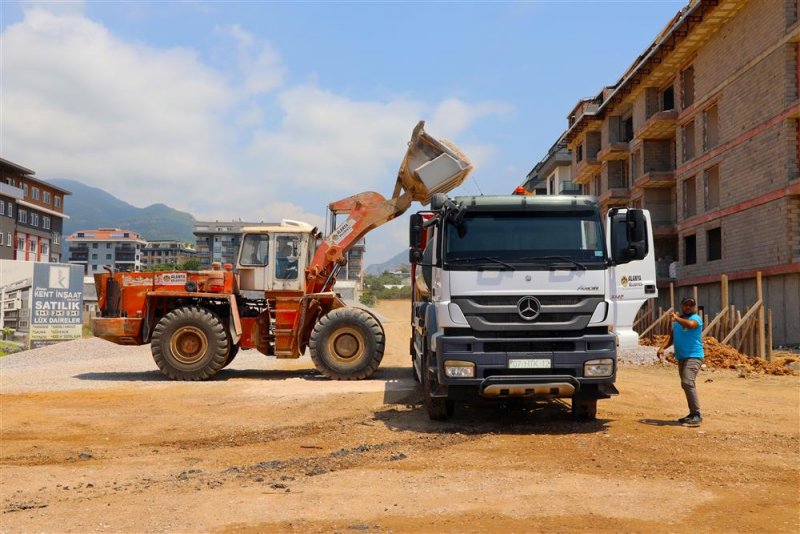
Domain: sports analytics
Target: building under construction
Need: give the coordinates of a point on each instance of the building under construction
(703, 130)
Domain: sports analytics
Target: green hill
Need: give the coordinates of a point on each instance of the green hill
(90, 207)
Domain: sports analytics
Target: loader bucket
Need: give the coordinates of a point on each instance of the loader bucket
(431, 166)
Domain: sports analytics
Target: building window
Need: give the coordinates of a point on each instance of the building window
(22, 216)
(687, 87)
(35, 193)
(714, 244)
(579, 153)
(108, 256)
(94, 245)
(2, 207)
(9, 239)
(690, 250)
(45, 249)
(56, 238)
(11, 210)
(25, 190)
(689, 197)
(46, 197)
(687, 135)
(57, 201)
(711, 186)
(710, 128)
(45, 222)
(34, 219)
(627, 129)
(668, 98)
(94, 256)
(21, 244)
(32, 246)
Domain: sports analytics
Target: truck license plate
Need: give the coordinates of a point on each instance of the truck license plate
(529, 364)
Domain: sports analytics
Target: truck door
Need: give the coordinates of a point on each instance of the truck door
(288, 262)
(629, 284)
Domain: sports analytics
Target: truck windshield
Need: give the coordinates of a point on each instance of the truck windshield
(526, 240)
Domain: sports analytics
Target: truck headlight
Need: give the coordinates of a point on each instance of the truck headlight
(459, 369)
(601, 367)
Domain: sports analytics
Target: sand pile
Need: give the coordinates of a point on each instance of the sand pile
(719, 356)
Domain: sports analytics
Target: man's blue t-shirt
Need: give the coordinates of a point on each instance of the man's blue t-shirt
(688, 342)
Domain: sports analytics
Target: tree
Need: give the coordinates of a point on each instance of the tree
(192, 264)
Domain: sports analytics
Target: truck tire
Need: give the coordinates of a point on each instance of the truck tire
(232, 352)
(584, 408)
(347, 344)
(190, 343)
(439, 409)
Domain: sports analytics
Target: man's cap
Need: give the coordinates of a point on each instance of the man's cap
(687, 300)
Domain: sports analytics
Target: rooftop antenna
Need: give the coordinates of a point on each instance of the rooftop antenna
(476, 185)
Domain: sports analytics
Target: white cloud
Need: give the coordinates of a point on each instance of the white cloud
(161, 125)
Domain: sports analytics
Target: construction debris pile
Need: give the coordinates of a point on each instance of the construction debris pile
(719, 356)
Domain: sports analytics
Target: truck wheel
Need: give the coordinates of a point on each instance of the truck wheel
(347, 344)
(190, 343)
(232, 352)
(584, 408)
(439, 409)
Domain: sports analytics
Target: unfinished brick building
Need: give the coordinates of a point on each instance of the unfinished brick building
(704, 131)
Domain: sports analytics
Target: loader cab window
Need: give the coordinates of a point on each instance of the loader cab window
(286, 254)
(255, 250)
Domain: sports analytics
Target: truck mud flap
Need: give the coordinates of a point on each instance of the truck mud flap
(527, 386)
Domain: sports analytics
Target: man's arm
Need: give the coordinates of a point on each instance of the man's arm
(691, 324)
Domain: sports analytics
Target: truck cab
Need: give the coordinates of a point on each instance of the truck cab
(274, 258)
(525, 296)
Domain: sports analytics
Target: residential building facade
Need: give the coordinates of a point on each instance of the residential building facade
(167, 252)
(106, 247)
(553, 174)
(31, 215)
(703, 130)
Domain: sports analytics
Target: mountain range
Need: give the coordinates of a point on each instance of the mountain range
(91, 207)
(401, 258)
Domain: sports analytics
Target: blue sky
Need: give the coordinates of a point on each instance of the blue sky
(291, 105)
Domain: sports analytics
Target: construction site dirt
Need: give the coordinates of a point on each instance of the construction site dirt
(94, 438)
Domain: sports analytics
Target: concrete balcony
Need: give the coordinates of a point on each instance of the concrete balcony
(614, 151)
(615, 197)
(660, 126)
(664, 228)
(655, 179)
(585, 170)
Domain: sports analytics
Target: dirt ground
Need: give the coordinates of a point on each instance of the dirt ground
(107, 445)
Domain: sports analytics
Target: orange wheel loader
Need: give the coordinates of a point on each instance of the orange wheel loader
(280, 298)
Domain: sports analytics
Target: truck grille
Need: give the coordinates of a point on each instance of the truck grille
(500, 312)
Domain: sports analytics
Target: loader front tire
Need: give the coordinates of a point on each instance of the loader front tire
(347, 344)
(190, 343)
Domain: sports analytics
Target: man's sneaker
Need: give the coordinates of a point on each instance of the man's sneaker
(695, 420)
(685, 419)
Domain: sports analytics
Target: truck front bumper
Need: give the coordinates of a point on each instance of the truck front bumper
(495, 376)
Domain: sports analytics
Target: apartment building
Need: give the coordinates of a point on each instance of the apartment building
(31, 215)
(553, 174)
(704, 131)
(113, 247)
(167, 252)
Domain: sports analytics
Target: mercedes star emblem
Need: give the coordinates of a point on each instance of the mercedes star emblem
(529, 308)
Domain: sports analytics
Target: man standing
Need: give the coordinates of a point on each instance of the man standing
(687, 334)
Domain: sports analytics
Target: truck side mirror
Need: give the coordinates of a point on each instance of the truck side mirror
(628, 236)
(415, 229)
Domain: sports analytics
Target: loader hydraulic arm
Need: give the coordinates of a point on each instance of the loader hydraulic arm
(430, 166)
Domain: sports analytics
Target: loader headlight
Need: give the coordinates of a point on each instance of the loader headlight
(601, 367)
(459, 369)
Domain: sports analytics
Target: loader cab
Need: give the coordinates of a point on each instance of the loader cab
(274, 258)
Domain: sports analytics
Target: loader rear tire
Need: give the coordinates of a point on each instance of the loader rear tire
(347, 344)
(190, 343)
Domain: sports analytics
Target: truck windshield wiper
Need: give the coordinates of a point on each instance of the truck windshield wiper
(561, 258)
(483, 258)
